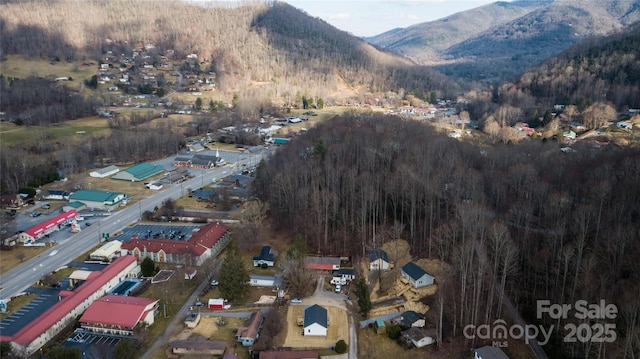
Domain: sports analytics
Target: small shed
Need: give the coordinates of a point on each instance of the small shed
(379, 326)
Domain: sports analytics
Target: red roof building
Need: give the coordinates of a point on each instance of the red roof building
(61, 315)
(322, 263)
(116, 314)
(207, 242)
(34, 233)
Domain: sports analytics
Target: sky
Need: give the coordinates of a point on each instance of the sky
(368, 18)
(373, 17)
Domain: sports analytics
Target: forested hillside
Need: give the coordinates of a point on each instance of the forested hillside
(498, 41)
(602, 69)
(259, 49)
(551, 227)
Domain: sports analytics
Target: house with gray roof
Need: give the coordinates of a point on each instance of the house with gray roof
(316, 321)
(139, 172)
(378, 260)
(417, 276)
(97, 199)
(409, 319)
(266, 257)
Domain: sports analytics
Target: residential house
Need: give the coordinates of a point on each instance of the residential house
(409, 319)
(247, 335)
(316, 321)
(489, 352)
(198, 346)
(192, 320)
(417, 276)
(266, 257)
(347, 273)
(265, 280)
(378, 260)
(12, 201)
(417, 337)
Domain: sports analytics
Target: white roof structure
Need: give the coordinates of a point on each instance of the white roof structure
(107, 250)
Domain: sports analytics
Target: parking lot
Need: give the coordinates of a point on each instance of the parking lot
(92, 345)
(47, 297)
(157, 231)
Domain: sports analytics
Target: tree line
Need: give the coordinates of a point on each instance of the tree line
(527, 219)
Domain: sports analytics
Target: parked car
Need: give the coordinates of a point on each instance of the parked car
(338, 288)
(296, 300)
(35, 214)
(214, 283)
(46, 206)
(199, 304)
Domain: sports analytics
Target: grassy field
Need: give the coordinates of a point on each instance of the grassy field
(77, 130)
(14, 257)
(23, 67)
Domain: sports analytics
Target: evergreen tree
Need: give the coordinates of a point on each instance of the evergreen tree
(147, 267)
(364, 297)
(234, 278)
(198, 104)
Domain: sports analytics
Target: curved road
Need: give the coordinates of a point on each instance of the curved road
(22, 277)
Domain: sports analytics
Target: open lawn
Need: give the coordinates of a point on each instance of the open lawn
(77, 130)
(10, 259)
(22, 67)
(338, 329)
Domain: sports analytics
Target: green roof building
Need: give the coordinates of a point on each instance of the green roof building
(97, 199)
(138, 172)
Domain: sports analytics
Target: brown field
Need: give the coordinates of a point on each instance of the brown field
(22, 67)
(338, 329)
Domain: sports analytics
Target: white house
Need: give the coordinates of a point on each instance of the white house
(266, 257)
(417, 337)
(104, 172)
(265, 280)
(417, 276)
(490, 352)
(316, 321)
(378, 260)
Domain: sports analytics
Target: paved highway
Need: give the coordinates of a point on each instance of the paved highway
(22, 277)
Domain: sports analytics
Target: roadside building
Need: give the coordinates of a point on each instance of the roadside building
(417, 337)
(57, 194)
(107, 251)
(138, 172)
(104, 172)
(118, 314)
(205, 243)
(47, 227)
(97, 199)
(64, 313)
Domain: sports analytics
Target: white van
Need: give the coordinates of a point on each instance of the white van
(338, 288)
